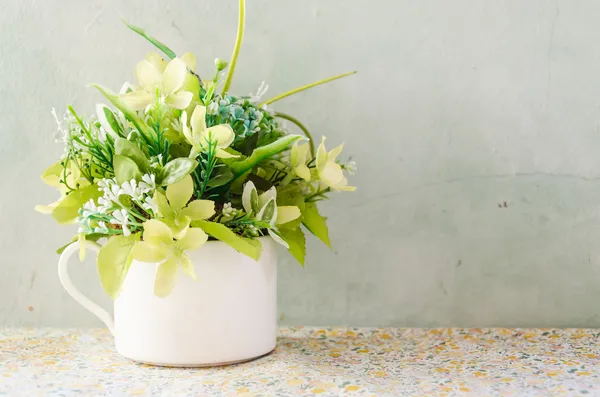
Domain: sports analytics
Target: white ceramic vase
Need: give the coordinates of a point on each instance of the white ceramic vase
(228, 315)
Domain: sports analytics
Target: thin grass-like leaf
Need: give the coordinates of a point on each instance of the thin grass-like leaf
(305, 87)
(166, 50)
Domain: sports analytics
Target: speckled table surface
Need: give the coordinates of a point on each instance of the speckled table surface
(310, 361)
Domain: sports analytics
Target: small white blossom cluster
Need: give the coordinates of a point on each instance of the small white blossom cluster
(262, 90)
(94, 217)
(228, 210)
(350, 166)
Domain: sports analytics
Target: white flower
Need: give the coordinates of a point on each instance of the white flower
(104, 205)
(130, 189)
(253, 230)
(212, 108)
(228, 210)
(62, 134)
(89, 208)
(150, 205)
(351, 167)
(176, 125)
(148, 183)
(121, 217)
(101, 228)
(262, 89)
(84, 225)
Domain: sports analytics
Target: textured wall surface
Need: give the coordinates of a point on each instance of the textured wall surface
(475, 125)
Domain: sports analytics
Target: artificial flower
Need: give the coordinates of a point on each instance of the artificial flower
(159, 247)
(200, 137)
(168, 83)
(298, 156)
(330, 172)
(177, 212)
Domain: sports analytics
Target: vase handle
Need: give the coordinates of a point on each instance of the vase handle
(65, 279)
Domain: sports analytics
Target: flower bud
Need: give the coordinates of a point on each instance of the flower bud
(220, 64)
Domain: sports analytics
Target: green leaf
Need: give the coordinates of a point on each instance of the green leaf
(88, 237)
(222, 176)
(267, 213)
(297, 242)
(246, 246)
(114, 260)
(68, 209)
(166, 50)
(108, 120)
(176, 170)
(315, 223)
(262, 153)
(166, 275)
(125, 169)
(119, 104)
(129, 149)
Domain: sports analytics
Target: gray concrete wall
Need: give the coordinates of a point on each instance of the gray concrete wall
(475, 125)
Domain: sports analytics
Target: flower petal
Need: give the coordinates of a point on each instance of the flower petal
(287, 213)
(343, 186)
(166, 274)
(193, 239)
(163, 205)
(180, 193)
(47, 209)
(333, 153)
(268, 213)
(303, 172)
(179, 100)
(148, 76)
(187, 132)
(199, 209)
(321, 154)
(137, 100)
(187, 267)
(264, 198)
(198, 120)
(331, 174)
(157, 233)
(250, 197)
(155, 59)
(190, 60)
(222, 134)
(222, 154)
(174, 76)
(144, 251)
(179, 226)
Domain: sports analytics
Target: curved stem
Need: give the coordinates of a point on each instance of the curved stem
(236, 48)
(287, 117)
(305, 87)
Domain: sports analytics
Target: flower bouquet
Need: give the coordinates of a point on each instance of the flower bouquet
(179, 160)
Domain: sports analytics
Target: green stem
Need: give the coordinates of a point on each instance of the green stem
(305, 87)
(287, 117)
(236, 48)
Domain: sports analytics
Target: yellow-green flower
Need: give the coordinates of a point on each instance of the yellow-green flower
(158, 246)
(330, 172)
(152, 79)
(175, 211)
(199, 135)
(53, 174)
(298, 156)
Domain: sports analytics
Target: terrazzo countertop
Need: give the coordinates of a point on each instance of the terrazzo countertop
(311, 361)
